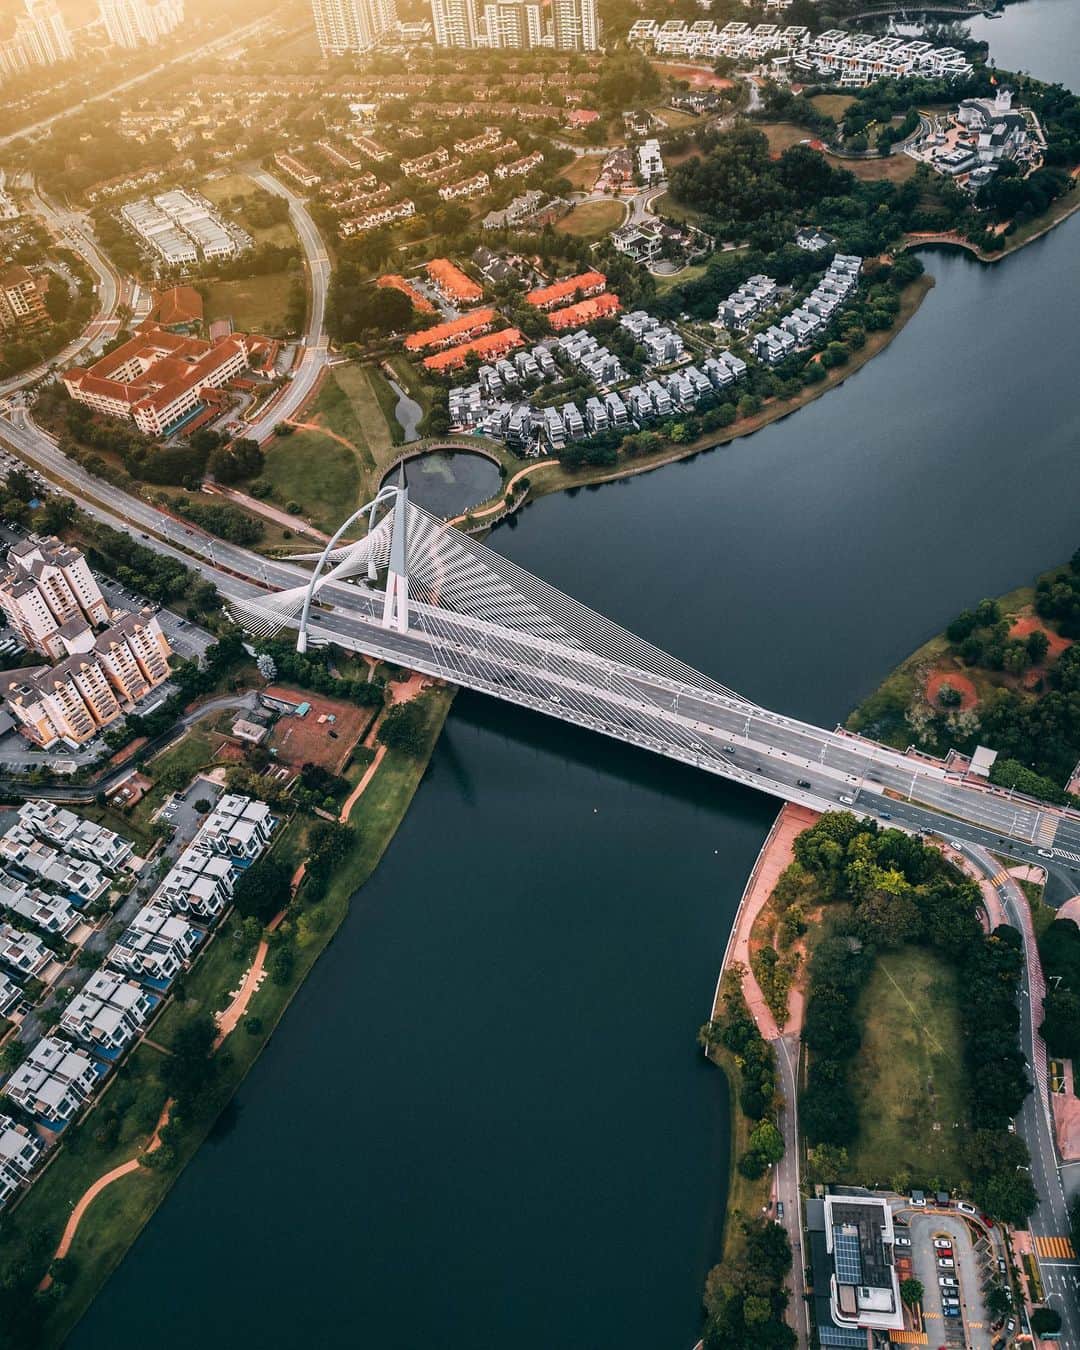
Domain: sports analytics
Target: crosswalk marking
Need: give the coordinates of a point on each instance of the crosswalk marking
(999, 878)
(1059, 1247)
(1046, 829)
(1064, 853)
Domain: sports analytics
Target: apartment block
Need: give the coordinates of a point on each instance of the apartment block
(20, 1152)
(137, 23)
(514, 24)
(108, 1012)
(54, 1082)
(351, 25)
(50, 597)
(454, 23)
(199, 883)
(22, 302)
(75, 835)
(22, 952)
(155, 948)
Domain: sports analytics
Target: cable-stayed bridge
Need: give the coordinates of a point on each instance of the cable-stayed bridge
(418, 592)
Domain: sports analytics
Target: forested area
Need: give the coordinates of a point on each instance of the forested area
(888, 889)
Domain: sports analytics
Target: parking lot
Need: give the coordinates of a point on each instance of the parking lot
(952, 1260)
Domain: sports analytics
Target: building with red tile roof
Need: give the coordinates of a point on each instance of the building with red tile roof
(450, 334)
(488, 348)
(561, 292)
(420, 301)
(179, 307)
(157, 378)
(586, 311)
(452, 283)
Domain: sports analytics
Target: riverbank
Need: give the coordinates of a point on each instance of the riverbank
(549, 475)
(117, 1138)
(1000, 649)
(747, 1196)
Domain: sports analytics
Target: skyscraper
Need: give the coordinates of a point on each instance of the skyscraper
(351, 25)
(575, 25)
(454, 23)
(128, 23)
(41, 37)
(513, 23)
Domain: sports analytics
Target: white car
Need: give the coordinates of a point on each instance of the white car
(948, 1282)
(943, 1242)
(1044, 853)
(901, 1242)
(946, 1263)
(962, 1206)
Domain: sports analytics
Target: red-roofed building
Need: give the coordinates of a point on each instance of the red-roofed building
(562, 292)
(157, 378)
(180, 307)
(488, 348)
(452, 283)
(450, 334)
(586, 311)
(581, 117)
(396, 283)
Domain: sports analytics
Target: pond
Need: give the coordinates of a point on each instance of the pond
(448, 482)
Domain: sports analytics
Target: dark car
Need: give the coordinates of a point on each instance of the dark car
(803, 782)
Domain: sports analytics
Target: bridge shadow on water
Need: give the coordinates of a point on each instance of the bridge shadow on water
(611, 759)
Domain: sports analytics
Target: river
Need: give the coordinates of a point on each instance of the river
(484, 1121)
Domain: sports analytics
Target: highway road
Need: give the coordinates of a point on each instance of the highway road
(315, 353)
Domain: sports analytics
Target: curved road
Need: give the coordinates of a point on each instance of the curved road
(315, 355)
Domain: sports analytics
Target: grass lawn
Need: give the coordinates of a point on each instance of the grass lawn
(834, 105)
(592, 220)
(893, 169)
(908, 1074)
(221, 191)
(783, 135)
(666, 205)
(255, 304)
(582, 173)
(371, 403)
(327, 467)
(315, 471)
(664, 284)
(675, 118)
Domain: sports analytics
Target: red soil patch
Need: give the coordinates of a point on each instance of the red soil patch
(1028, 624)
(694, 75)
(968, 695)
(306, 740)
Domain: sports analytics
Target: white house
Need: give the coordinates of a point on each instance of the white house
(55, 1081)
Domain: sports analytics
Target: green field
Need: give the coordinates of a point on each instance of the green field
(591, 220)
(344, 450)
(908, 1075)
(255, 304)
(835, 105)
(665, 283)
(224, 191)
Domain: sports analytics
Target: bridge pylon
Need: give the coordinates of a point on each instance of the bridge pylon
(396, 603)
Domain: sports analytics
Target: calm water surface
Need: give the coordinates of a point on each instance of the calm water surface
(447, 482)
(483, 1122)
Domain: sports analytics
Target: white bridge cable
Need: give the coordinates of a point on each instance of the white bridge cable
(488, 585)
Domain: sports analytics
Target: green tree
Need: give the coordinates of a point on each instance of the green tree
(404, 728)
(263, 890)
(911, 1291)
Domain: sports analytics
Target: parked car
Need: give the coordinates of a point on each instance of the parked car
(946, 1263)
(948, 1282)
(950, 1312)
(901, 1242)
(965, 1208)
(943, 1242)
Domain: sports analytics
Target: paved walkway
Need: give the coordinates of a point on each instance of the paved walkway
(777, 853)
(92, 1192)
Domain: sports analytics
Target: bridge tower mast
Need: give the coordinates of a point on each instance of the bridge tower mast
(396, 604)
